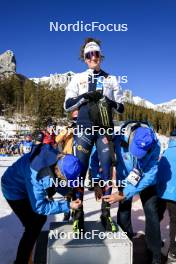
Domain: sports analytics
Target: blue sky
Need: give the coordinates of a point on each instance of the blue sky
(146, 53)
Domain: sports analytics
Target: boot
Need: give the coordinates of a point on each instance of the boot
(106, 219)
(66, 217)
(78, 221)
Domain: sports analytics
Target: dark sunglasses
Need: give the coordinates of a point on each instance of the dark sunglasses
(90, 54)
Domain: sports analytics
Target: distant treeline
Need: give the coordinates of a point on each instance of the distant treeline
(33, 102)
(36, 102)
(162, 122)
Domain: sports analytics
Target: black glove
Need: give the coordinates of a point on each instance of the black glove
(118, 106)
(51, 191)
(93, 96)
(70, 194)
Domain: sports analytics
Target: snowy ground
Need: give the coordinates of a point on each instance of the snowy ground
(11, 229)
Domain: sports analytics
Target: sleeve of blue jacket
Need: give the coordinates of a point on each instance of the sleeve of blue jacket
(149, 176)
(38, 196)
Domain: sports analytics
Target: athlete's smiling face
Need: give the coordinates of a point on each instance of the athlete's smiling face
(93, 62)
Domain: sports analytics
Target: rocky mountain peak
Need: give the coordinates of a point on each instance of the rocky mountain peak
(7, 63)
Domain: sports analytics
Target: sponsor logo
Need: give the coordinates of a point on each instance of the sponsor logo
(80, 148)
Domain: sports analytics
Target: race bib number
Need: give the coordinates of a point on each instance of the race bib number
(26, 149)
(134, 177)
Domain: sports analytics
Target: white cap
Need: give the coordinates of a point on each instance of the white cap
(91, 46)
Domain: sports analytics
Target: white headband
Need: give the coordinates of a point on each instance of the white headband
(91, 46)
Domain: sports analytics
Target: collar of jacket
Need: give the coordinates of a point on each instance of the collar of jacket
(92, 72)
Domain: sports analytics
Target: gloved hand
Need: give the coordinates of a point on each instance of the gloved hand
(69, 194)
(93, 96)
(51, 192)
(110, 102)
(118, 106)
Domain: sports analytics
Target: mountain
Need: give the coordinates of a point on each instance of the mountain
(64, 78)
(168, 106)
(8, 68)
(137, 100)
(7, 64)
(54, 79)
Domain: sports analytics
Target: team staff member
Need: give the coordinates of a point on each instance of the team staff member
(138, 153)
(167, 192)
(27, 187)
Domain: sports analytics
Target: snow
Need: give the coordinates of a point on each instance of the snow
(11, 228)
(54, 79)
(163, 141)
(9, 129)
(139, 101)
(40, 80)
(169, 106)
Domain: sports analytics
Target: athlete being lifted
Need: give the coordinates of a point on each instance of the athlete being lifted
(95, 94)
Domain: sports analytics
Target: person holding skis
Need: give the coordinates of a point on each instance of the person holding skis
(95, 94)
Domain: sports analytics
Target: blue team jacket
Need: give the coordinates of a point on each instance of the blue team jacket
(21, 181)
(167, 173)
(125, 163)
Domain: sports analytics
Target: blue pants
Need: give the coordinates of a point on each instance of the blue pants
(84, 145)
(94, 165)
